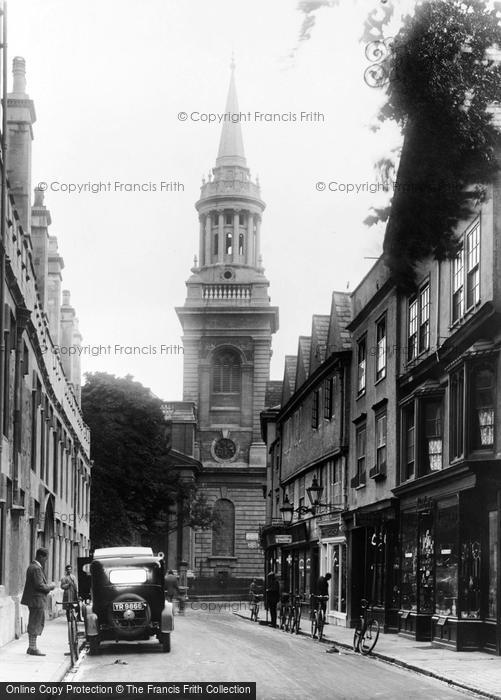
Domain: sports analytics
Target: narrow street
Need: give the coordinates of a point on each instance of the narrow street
(225, 647)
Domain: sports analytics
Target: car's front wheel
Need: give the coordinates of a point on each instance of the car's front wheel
(165, 641)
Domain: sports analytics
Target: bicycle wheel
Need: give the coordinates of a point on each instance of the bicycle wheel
(356, 638)
(320, 625)
(298, 620)
(369, 637)
(314, 624)
(72, 641)
(75, 635)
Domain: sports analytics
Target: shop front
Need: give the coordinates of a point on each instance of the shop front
(449, 563)
(372, 562)
(333, 560)
(300, 568)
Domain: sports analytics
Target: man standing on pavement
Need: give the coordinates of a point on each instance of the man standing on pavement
(272, 597)
(35, 593)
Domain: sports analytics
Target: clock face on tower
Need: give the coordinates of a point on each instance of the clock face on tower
(225, 449)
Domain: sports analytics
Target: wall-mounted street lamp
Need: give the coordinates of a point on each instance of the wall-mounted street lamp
(314, 492)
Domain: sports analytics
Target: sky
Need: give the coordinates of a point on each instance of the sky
(109, 79)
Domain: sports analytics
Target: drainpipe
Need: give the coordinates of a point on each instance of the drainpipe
(3, 215)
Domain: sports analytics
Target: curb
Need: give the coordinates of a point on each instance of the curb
(393, 661)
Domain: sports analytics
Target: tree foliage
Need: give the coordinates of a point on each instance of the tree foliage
(442, 85)
(133, 488)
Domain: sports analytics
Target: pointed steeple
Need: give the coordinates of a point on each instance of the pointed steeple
(231, 145)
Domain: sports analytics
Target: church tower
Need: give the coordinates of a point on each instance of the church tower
(227, 325)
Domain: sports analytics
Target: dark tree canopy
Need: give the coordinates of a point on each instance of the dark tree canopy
(133, 487)
(442, 83)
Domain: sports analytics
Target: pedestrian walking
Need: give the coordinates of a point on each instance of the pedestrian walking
(35, 594)
(272, 597)
(171, 586)
(70, 591)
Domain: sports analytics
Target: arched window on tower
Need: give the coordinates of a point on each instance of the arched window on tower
(241, 244)
(216, 243)
(229, 243)
(226, 372)
(223, 530)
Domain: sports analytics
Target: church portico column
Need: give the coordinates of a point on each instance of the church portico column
(236, 231)
(201, 242)
(207, 260)
(220, 239)
(204, 392)
(258, 239)
(247, 406)
(250, 239)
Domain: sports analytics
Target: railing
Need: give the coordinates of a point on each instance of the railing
(231, 292)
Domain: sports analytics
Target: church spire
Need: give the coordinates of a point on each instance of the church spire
(231, 145)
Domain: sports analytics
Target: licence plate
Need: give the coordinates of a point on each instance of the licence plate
(128, 605)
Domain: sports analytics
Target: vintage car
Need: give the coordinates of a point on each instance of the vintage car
(124, 588)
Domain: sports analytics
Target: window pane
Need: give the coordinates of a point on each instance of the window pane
(470, 574)
(493, 564)
(409, 448)
(381, 349)
(456, 413)
(446, 574)
(362, 359)
(413, 330)
(483, 409)
(426, 562)
(424, 322)
(409, 561)
(457, 286)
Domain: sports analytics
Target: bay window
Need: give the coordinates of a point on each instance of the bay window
(482, 410)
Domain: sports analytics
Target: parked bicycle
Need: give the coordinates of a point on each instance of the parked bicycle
(72, 629)
(285, 611)
(317, 615)
(367, 630)
(296, 613)
(254, 606)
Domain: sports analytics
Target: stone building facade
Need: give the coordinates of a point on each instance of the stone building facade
(45, 468)
(228, 324)
(421, 519)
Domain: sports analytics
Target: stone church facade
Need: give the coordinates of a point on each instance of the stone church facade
(228, 323)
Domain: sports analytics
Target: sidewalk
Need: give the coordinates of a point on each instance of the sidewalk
(18, 666)
(475, 671)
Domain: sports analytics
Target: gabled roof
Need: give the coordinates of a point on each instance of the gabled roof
(319, 334)
(303, 359)
(273, 394)
(339, 338)
(289, 383)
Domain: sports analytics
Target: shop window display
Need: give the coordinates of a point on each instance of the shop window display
(426, 562)
(470, 579)
(408, 564)
(493, 564)
(446, 572)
